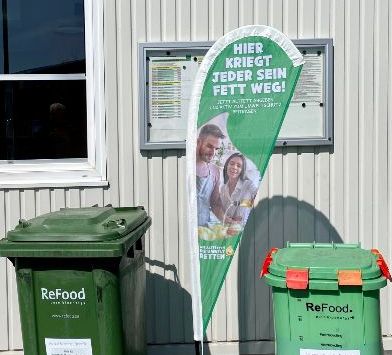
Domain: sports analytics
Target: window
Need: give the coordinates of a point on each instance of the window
(51, 121)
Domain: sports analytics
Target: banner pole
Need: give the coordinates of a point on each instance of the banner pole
(197, 347)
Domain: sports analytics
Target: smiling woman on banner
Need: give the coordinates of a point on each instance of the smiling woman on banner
(238, 192)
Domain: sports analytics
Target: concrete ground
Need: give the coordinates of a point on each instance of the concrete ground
(385, 353)
(389, 352)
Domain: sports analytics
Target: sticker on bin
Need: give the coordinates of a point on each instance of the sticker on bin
(68, 346)
(329, 352)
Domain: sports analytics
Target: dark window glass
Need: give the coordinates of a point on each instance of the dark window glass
(43, 119)
(42, 36)
(1, 43)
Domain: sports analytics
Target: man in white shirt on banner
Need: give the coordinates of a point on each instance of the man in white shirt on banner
(208, 175)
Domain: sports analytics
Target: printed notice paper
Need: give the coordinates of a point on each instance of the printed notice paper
(329, 352)
(68, 346)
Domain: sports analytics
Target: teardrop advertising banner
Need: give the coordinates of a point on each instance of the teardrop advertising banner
(240, 97)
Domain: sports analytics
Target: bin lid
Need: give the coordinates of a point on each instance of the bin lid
(303, 265)
(91, 224)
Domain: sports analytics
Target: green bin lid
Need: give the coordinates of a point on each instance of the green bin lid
(322, 264)
(91, 224)
(93, 232)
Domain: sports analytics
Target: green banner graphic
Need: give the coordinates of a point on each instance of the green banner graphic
(245, 92)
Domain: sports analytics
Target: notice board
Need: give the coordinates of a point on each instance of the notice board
(166, 74)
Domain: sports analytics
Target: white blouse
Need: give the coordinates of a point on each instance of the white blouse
(244, 190)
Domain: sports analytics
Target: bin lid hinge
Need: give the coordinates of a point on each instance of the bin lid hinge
(350, 278)
(297, 279)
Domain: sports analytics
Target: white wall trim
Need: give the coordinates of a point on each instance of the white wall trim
(95, 86)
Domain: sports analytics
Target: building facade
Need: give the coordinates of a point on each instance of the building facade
(336, 193)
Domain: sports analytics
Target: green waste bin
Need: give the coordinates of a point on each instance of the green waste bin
(326, 298)
(81, 281)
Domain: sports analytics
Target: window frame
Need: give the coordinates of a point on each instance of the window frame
(73, 171)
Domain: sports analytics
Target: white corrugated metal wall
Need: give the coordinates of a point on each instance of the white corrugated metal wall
(313, 193)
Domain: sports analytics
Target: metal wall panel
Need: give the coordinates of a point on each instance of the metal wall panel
(111, 101)
(3, 282)
(337, 162)
(339, 193)
(312, 193)
(386, 244)
(380, 172)
(12, 215)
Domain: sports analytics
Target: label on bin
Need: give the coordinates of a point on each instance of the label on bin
(329, 352)
(321, 320)
(68, 346)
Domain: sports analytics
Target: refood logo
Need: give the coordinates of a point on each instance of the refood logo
(59, 294)
(325, 307)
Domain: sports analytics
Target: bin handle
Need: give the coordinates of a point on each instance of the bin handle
(23, 223)
(382, 264)
(118, 223)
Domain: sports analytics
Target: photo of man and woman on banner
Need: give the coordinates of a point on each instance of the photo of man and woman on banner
(226, 182)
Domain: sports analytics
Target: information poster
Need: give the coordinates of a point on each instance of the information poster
(170, 89)
(310, 84)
